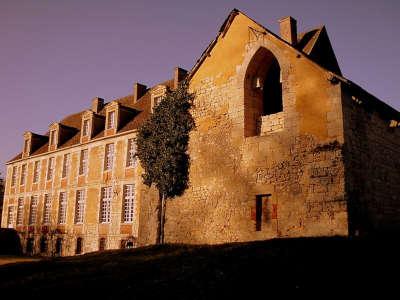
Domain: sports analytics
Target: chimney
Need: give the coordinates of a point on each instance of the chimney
(138, 91)
(179, 75)
(97, 104)
(288, 28)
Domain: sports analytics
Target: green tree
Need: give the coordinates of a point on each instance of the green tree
(162, 145)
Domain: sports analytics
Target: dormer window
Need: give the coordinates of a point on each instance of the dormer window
(26, 146)
(52, 139)
(86, 128)
(111, 120)
(157, 95)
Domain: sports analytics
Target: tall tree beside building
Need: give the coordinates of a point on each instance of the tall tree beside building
(162, 145)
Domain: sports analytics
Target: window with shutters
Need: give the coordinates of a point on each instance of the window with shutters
(109, 157)
(20, 211)
(131, 159)
(23, 174)
(79, 206)
(10, 217)
(105, 204)
(62, 208)
(66, 165)
(46, 209)
(36, 171)
(129, 199)
(33, 210)
(83, 164)
(50, 168)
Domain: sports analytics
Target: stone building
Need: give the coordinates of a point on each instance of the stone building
(284, 146)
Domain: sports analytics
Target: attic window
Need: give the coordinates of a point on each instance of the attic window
(111, 120)
(52, 137)
(26, 146)
(86, 128)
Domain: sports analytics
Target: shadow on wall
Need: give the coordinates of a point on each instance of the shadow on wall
(10, 243)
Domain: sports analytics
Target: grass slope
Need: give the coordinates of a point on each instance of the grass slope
(241, 270)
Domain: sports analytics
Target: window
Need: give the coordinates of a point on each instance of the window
(46, 209)
(102, 244)
(14, 175)
(44, 245)
(30, 245)
(79, 243)
(52, 137)
(59, 242)
(157, 100)
(129, 199)
(79, 206)
(260, 209)
(36, 171)
(20, 211)
(83, 164)
(10, 217)
(33, 210)
(86, 128)
(131, 159)
(50, 168)
(105, 204)
(62, 208)
(66, 165)
(23, 174)
(111, 120)
(109, 157)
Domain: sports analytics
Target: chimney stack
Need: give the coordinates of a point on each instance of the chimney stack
(288, 28)
(97, 104)
(179, 75)
(138, 91)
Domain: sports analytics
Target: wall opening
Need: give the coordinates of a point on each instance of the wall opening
(59, 246)
(262, 91)
(79, 242)
(261, 209)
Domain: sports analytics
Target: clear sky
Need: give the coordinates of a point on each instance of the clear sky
(56, 55)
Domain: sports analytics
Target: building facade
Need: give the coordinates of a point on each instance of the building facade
(284, 146)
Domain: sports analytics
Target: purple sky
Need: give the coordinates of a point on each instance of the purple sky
(55, 56)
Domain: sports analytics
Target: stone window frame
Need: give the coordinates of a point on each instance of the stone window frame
(10, 216)
(109, 157)
(20, 211)
(128, 203)
(33, 210)
(287, 85)
(47, 205)
(23, 175)
(14, 175)
(157, 93)
(37, 166)
(62, 208)
(50, 168)
(80, 206)
(83, 163)
(105, 209)
(131, 160)
(66, 165)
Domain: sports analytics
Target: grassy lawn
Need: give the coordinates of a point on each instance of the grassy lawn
(241, 270)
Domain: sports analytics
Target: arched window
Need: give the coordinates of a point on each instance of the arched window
(262, 90)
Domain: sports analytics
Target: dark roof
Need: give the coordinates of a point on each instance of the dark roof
(142, 109)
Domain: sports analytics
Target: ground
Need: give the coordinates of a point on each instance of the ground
(319, 266)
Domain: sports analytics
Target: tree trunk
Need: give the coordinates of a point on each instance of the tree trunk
(161, 218)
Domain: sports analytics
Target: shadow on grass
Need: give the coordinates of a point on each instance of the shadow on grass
(303, 266)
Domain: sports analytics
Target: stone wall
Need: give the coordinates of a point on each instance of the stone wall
(300, 167)
(372, 156)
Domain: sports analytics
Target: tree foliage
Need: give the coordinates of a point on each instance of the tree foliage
(162, 143)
